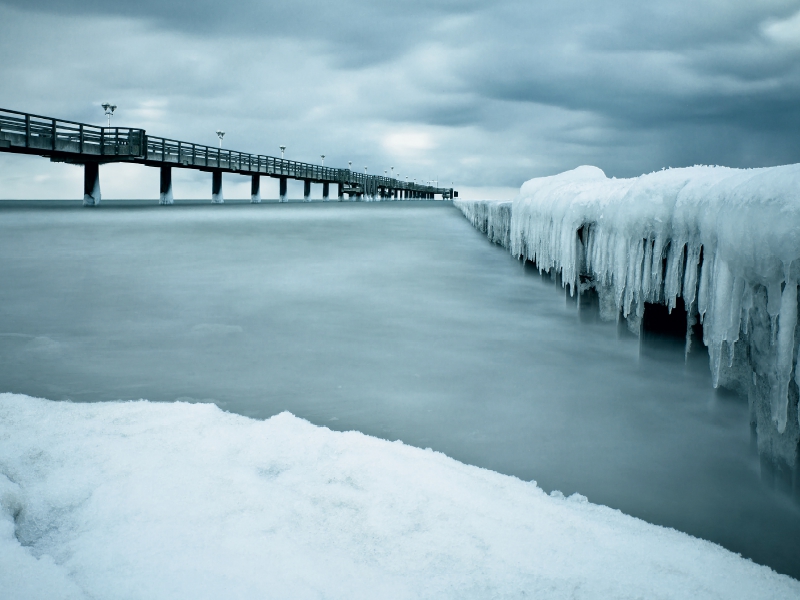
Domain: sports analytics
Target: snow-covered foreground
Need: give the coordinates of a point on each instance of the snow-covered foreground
(724, 241)
(147, 500)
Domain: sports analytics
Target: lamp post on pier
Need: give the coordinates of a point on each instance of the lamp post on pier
(322, 156)
(109, 108)
(283, 149)
(220, 135)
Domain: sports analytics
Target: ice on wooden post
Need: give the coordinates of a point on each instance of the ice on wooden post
(724, 240)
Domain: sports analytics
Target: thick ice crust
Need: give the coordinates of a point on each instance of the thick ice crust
(163, 501)
(726, 241)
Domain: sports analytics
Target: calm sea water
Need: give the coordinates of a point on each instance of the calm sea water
(398, 320)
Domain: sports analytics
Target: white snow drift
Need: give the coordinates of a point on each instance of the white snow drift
(172, 501)
(727, 241)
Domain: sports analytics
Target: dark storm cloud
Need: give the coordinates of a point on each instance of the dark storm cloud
(356, 32)
(482, 92)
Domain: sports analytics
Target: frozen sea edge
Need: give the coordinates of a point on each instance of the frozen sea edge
(725, 241)
(169, 501)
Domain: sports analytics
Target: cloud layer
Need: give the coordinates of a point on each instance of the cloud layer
(479, 93)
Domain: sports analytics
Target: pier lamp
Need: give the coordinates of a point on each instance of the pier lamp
(322, 156)
(392, 168)
(283, 149)
(365, 170)
(109, 108)
(220, 135)
(350, 164)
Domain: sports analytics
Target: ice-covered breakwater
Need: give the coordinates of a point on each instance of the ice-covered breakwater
(173, 500)
(723, 243)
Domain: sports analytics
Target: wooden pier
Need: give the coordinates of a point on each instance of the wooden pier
(92, 145)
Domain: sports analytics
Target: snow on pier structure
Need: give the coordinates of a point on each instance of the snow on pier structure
(724, 241)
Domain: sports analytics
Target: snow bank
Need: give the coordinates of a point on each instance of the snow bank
(726, 241)
(170, 501)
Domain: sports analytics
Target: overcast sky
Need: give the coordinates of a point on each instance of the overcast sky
(484, 94)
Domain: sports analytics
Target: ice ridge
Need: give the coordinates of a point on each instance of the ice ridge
(726, 241)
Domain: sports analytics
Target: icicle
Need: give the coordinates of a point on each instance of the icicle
(747, 304)
(691, 320)
(774, 307)
(735, 315)
(797, 381)
(787, 321)
(657, 269)
(620, 271)
(672, 280)
(647, 270)
(690, 275)
(702, 290)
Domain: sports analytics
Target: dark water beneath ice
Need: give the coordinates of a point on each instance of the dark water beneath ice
(399, 320)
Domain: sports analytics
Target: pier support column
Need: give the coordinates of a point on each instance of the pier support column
(165, 190)
(255, 189)
(326, 191)
(91, 184)
(340, 192)
(306, 190)
(216, 187)
(282, 189)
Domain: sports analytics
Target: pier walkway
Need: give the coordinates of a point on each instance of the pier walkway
(92, 145)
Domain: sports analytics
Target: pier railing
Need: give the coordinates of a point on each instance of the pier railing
(38, 133)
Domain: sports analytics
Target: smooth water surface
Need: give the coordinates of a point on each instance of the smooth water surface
(396, 319)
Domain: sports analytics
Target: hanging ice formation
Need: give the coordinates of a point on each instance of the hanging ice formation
(726, 241)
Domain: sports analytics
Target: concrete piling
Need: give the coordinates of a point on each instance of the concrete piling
(282, 189)
(216, 187)
(91, 184)
(165, 190)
